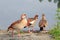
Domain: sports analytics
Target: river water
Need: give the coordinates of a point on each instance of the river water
(10, 11)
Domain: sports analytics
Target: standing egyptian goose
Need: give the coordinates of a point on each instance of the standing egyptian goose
(31, 22)
(19, 24)
(43, 22)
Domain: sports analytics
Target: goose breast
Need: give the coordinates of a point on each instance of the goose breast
(21, 25)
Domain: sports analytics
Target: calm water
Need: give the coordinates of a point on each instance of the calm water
(10, 11)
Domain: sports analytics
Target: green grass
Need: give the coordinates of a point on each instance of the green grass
(55, 32)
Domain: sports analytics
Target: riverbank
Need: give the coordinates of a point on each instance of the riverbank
(27, 36)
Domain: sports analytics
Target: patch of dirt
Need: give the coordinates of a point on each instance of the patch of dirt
(28, 36)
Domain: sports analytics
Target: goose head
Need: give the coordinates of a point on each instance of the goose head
(43, 17)
(36, 17)
(23, 16)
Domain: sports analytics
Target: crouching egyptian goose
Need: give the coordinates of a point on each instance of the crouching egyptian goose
(31, 22)
(18, 25)
(43, 22)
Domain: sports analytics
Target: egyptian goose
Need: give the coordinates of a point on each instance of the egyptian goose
(19, 24)
(31, 22)
(43, 22)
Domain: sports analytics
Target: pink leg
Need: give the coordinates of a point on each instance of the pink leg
(12, 33)
(33, 30)
(29, 30)
(18, 33)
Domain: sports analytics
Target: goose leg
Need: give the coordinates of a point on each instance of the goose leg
(12, 33)
(18, 33)
(11, 30)
(29, 30)
(32, 29)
